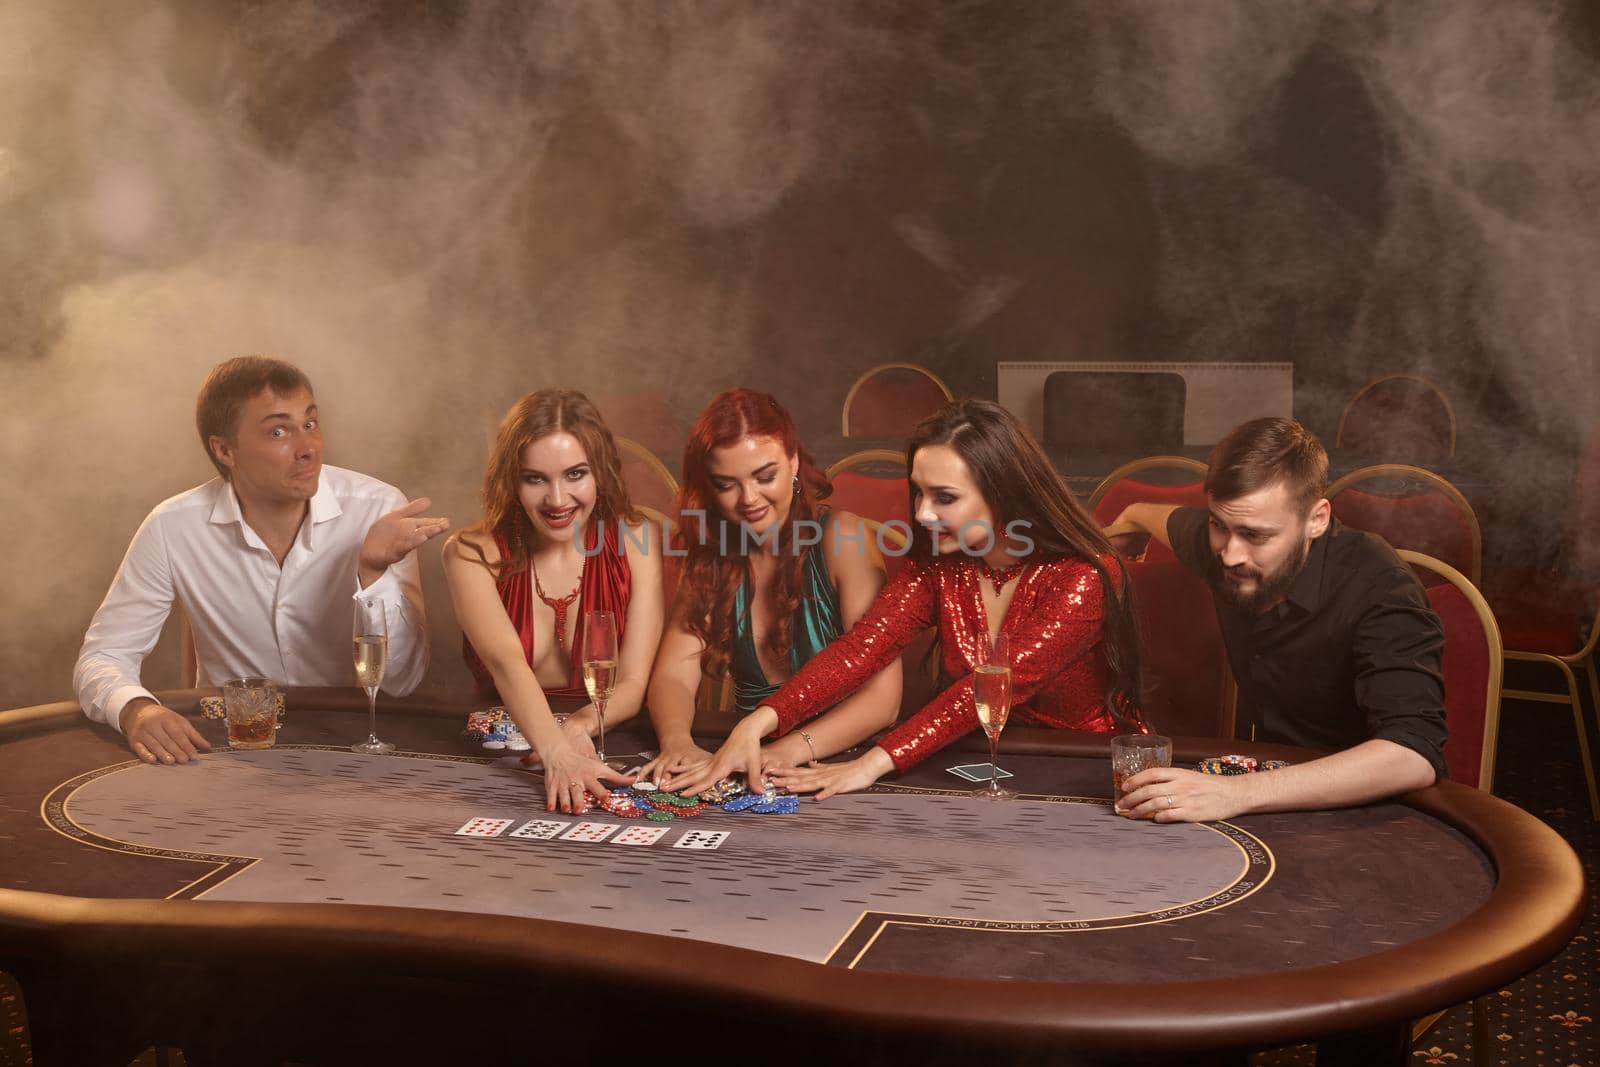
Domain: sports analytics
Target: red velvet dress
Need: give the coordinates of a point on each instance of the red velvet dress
(606, 583)
(1058, 668)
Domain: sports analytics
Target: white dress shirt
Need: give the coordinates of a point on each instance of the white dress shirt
(249, 616)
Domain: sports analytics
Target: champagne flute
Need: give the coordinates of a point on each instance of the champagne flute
(600, 668)
(991, 698)
(370, 643)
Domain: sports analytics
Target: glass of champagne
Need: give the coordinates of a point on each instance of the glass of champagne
(991, 697)
(600, 668)
(370, 644)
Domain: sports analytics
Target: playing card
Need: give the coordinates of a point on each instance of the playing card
(640, 835)
(540, 829)
(589, 832)
(978, 772)
(701, 839)
(481, 827)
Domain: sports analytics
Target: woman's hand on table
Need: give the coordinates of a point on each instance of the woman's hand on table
(568, 773)
(678, 756)
(739, 754)
(831, 779)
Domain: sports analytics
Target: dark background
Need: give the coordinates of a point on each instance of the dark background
(433, 208)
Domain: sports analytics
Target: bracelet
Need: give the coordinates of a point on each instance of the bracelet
(807, 739)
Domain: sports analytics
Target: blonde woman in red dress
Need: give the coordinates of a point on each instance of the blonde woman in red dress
(559, 538)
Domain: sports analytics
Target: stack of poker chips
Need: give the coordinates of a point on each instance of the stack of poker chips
(1231, 765)
(493, 729)
(644, 799)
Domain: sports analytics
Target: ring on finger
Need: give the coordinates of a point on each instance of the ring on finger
(1169, 802)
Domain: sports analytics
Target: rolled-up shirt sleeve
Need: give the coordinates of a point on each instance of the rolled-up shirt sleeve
(1399, 685)
(1190, 540)
(125, 628)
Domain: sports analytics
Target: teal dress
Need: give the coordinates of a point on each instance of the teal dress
(813, 626)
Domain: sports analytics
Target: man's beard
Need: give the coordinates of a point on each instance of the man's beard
(1269, 588)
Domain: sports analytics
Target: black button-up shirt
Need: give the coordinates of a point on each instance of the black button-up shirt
(1352, 652)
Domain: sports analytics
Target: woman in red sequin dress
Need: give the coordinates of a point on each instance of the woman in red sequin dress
(521, 582)
(1000, 547)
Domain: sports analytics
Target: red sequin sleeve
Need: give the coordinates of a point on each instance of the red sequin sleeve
(903, 609)
(1063, 621)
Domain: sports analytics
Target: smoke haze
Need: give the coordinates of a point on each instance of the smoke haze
(433, 209)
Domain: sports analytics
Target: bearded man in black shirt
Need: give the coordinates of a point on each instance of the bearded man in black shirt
(1329, 635)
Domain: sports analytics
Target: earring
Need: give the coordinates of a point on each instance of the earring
(796, 485)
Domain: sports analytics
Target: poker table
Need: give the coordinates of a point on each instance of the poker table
(307, 903)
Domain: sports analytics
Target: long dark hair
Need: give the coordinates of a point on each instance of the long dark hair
(1019, 485)
(710, 578)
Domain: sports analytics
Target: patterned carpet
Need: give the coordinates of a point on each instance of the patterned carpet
(1546, 1019)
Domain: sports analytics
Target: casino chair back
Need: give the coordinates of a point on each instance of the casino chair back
(651, 486)
(872, 484)
(1472, 665)
(650, 420)
(1412, 508)
(1550, 615)
(1402, 418)
(890, 399)
(1175, 480)
(1188, 689)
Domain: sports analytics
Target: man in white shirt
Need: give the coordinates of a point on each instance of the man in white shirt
(266, 561)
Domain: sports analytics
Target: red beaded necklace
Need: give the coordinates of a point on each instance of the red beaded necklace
(559, 605)
(1002, 577)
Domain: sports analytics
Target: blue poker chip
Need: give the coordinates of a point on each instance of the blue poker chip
(740, 803)
(777, 806)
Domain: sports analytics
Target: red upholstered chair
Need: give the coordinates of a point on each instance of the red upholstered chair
(890, 399)
(1188, 687)
(1401, 418)
(647, 416)
(872, 483)
(1153, 480)
(1472, 667)
(651, 486)
(1412, 508)
(1549, 617)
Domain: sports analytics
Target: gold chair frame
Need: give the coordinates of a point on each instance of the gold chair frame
(1449, 408)
(844, 414)
(872, 455)
(1491, 722)
(1435, 481)
(650, 459)
(1132, 467)
(1581, 660)
(1497, 655)
(866, 455)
